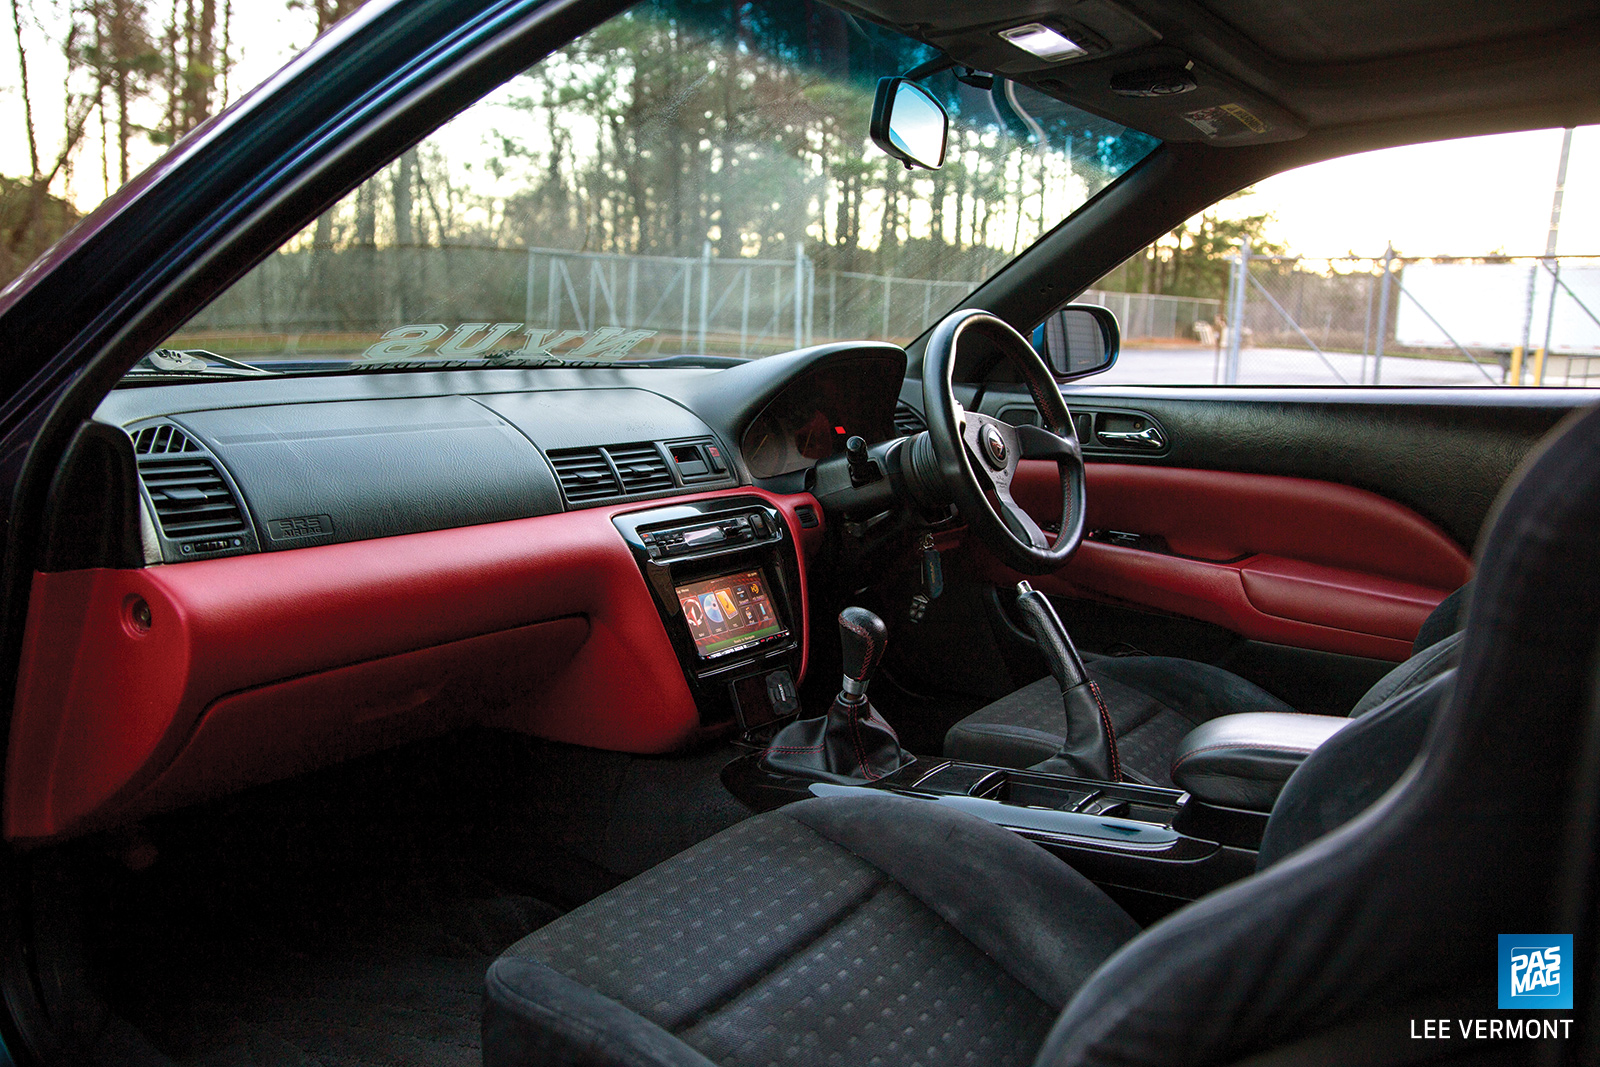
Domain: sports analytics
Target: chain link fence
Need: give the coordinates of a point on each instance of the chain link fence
(309, 302)
(1403, 320)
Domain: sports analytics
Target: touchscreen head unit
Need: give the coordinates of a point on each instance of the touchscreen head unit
(730, 612)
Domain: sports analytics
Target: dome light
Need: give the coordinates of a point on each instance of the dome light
(1040, 40)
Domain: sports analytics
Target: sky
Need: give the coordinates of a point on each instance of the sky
(1474, 196)
(1470, 197)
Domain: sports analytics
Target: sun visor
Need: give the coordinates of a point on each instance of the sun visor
(1212, 110)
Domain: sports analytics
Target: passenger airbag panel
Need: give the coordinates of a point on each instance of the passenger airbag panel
(376, 468)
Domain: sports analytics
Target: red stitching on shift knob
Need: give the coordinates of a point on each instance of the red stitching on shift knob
(863, 637)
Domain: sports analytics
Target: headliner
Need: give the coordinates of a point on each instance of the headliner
(1432, 68)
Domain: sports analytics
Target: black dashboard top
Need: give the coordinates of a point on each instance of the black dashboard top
(227, 468)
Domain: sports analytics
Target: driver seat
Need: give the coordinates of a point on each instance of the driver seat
(1154, 701)
(871, 928)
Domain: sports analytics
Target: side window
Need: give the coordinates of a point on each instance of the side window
(1416, 266)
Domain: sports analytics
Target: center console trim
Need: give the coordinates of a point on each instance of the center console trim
(1101, 831)
(750, 533)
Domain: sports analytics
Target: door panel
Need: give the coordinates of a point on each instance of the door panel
(1443, 453)
(1225, 515)
(1289, 560)
(1319, 519)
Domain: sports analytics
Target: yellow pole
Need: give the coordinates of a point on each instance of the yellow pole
(1538, 366)
(1515, 377)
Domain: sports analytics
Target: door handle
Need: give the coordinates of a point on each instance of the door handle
(1147, 438)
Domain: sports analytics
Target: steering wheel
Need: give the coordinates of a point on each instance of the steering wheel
(977, 456)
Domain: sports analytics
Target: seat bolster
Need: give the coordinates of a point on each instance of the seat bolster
(1047, 925)
(1421, 668)
(1000, 744)
(1353, 769)
(533, 1015)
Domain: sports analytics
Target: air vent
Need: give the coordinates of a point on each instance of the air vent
(906, 420)
(643, 469)
(584, 473)
(190, 497)
(162, 440)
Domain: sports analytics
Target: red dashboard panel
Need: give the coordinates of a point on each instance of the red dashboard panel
(543, 625)
(1288, 560)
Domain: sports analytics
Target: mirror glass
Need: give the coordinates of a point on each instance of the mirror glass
(917, 126)
(1077, 340)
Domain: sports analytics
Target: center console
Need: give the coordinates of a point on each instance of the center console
(726, 581)
(725, 576)
(1152, 849)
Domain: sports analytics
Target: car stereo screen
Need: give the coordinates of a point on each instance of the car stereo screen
(730, 612)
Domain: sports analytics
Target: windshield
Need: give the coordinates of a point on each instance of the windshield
(688, 180)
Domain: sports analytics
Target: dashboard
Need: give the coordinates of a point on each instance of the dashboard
(296, 571)
(311, 461)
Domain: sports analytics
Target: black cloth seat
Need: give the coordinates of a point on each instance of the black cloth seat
(1154, 701)
(893, 931)
(825, 928)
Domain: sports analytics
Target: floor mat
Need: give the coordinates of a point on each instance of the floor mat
(346, 919)
(386, 973)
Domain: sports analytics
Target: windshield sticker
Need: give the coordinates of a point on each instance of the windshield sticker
(507, 340)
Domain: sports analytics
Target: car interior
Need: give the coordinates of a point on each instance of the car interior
(863, 703)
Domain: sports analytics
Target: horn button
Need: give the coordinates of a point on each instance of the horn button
(994, 447)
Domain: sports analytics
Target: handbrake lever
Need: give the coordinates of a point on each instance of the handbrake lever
(1047, 629)
(1090, 747)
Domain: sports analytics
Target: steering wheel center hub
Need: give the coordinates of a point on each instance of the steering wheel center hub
(994, 447)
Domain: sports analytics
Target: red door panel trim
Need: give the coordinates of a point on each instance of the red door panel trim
(1314, 564)
(1334, 596)
(1212, 592)
(103, 708)
(1221, 515)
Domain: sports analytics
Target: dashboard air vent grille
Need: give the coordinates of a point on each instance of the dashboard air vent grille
(190, 497)
(584, 473)
(162, 440)
(642, 467)
(906, 420)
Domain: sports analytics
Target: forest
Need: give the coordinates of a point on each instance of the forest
(689, 121)
(681, 129)
(137, 74)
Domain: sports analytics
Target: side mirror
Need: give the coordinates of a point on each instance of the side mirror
(909, 124)
(1079, 339)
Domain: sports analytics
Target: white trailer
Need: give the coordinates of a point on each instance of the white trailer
(1487, 305)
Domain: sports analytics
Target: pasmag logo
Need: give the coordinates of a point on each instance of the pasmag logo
(1536, 971)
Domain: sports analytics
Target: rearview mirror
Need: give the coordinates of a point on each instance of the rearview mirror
(1077, 340)
(909, 124)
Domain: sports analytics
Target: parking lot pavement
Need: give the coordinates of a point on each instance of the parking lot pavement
(1287, 366)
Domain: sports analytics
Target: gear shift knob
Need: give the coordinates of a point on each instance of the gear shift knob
(851, 743)
(864, 637)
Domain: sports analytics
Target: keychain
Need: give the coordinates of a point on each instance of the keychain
(932, 572)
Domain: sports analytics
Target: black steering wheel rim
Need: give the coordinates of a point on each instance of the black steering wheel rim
(977, 456)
